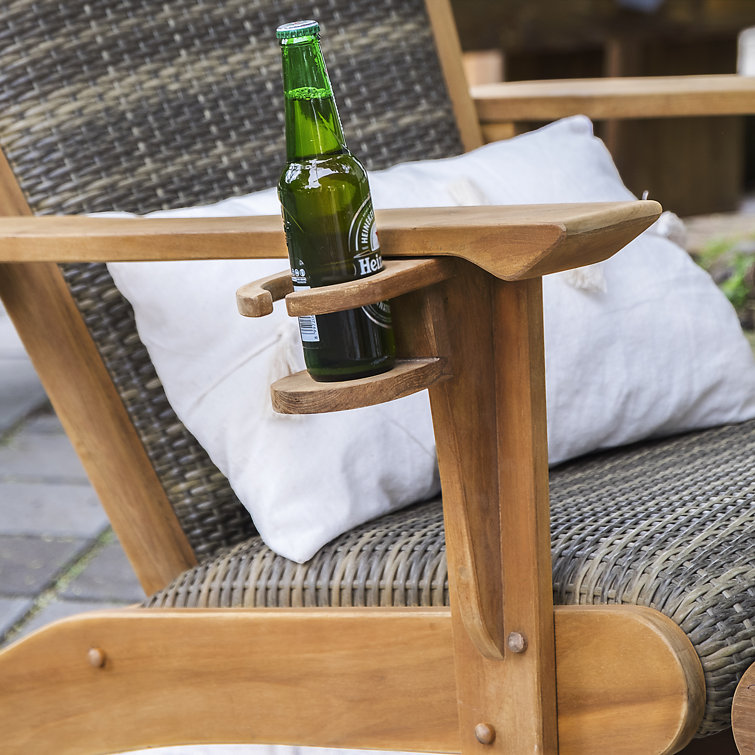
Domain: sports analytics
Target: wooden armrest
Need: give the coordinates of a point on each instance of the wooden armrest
(510, 242)
(626, 97)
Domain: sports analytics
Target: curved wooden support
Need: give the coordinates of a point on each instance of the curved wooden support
(256, 299)
(397, 277)
(629, 681)
(743, 712)
(300, 394)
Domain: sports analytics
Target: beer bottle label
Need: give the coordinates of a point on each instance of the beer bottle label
(307, 323)
(363, 240)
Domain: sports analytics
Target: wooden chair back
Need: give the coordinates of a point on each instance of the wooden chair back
(116, 106)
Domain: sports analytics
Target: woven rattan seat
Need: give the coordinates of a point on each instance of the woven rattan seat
(627, 528)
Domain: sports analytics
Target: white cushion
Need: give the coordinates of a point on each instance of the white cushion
(643, 345)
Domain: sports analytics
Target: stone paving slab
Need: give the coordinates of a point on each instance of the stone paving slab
(20, 389)
(12, 610)
(41, 455)
(107, 577)
(29, 565)
(44, 422)
(49, 510)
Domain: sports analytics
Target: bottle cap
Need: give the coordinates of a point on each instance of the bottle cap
(298, 29)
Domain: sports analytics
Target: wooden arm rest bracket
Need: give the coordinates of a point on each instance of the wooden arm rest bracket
(483, 316)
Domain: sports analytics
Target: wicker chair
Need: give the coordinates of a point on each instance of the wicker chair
(125, 105)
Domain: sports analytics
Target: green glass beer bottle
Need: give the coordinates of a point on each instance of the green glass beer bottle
(328, 217)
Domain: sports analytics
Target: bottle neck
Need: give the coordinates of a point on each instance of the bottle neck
(312, 124)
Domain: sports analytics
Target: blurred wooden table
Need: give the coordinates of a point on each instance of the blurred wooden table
(691, 165)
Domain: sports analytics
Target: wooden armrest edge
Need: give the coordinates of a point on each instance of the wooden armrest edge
(505, 240)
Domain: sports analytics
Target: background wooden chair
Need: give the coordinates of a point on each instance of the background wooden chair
(108, 107)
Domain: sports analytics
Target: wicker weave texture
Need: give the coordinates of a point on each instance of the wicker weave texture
(140, 105)
(668, 524)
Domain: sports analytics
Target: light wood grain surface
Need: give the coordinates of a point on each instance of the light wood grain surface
(397, 277)
(115, 680)
(511, 242)
(499, 572)
(622, 97)
(91, 411)
(300, 394)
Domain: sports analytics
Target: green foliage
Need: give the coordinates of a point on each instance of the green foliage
(731, 264)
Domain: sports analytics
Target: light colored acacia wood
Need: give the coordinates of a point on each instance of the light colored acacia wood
(524, 508)
(256, 299)
(511, 242)
(483, 66)
(338, 678)
(494, 132)
(492, 454)
(615, 97)
(78, 238)
(12, 200)
(743, 713)
(84, 398)
(448, 46)
(586, 683)
(300, 394)
(397, 277)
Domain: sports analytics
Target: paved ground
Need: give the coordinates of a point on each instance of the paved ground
(57, 554)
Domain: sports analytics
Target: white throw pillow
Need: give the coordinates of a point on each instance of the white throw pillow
(643, 345)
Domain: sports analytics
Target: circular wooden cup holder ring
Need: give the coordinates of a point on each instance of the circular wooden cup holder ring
(299, 393)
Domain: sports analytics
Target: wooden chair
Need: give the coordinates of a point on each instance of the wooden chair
(109, 106)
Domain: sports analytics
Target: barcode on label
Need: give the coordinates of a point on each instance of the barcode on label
(308, 329)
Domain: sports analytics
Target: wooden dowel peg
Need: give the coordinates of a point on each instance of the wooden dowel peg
(96, 657)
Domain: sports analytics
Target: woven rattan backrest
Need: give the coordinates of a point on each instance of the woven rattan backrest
(140, 105)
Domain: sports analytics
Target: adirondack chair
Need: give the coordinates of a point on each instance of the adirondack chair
(346, 658)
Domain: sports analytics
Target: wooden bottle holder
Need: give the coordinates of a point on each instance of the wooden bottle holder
(507, 243)
(413, 371)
